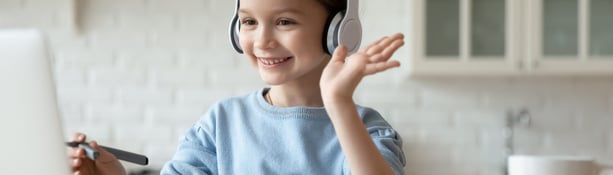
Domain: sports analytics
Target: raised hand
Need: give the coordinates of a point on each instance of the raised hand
(343, 74)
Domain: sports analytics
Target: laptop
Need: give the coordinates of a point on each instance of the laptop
(30, 126)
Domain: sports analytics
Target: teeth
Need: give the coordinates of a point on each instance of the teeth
(273, 61)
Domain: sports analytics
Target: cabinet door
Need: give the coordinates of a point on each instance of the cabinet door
(470, 37)
(570, 37)
(601, 29)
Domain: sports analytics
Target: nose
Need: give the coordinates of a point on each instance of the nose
(265, 38)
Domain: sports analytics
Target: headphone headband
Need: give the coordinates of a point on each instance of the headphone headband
(343, 28)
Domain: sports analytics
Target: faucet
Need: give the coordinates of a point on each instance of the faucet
(513, 119)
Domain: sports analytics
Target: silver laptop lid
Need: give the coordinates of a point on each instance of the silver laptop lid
(30, 126)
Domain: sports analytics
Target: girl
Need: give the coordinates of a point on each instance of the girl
(285, 129)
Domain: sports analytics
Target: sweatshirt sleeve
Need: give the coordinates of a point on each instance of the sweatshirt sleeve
(389, 143)
(385, 138)
(196, 153)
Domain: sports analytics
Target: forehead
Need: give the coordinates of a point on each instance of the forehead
(300, 6)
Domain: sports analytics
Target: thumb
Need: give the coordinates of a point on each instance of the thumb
(339, 54)
(105, 156)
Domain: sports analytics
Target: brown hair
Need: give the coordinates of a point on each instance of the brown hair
(334, 6)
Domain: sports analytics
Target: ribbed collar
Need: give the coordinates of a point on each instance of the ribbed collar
(297, 112)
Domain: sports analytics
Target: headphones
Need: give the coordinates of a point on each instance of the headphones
(343, 28)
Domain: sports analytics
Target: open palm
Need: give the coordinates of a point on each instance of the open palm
(343, 74)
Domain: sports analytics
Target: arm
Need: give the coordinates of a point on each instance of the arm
(362, 154)
(338, 82)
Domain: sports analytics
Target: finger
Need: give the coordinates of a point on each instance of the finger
(75, 164)
(385, 44)
(379, 46)
(94, 144)
(398, 36)
(105, 156)
(387, 53)
(380, 67)
(374, 44)
(78, 137)
(374, 50)
(75, 136)
(389, 39)
(76, 153)
(340, 53)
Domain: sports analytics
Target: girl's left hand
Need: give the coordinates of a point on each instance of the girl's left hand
(343, 74)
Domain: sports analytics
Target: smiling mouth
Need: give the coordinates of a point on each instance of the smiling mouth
(273, 61)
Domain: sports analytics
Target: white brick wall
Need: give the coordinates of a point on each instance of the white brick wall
(135, 74)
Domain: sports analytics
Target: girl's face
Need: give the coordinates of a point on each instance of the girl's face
(282, 38)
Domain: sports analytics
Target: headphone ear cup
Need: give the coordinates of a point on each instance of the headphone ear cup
(234, 33)
(350, 33)
(332, 33)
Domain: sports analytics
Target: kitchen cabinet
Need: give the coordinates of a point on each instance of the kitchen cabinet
(511, 37)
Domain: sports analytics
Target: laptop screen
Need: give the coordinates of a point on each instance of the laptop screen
(30, 126)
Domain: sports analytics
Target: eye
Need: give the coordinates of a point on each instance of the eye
(248, 22)
(284, 22)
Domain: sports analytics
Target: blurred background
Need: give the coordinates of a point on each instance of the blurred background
(480, 80)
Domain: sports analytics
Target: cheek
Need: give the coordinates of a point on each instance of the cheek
(245, 42)
(308, 41)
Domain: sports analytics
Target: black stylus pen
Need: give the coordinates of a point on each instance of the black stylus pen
(120, 154)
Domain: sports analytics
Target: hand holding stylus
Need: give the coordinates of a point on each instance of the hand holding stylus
(105, 163)
(93, 154)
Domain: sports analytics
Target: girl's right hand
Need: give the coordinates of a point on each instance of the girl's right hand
(105, 164)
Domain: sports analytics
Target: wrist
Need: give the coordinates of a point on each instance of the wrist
(331, 100)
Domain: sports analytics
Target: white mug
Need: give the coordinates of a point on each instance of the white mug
(554, 165)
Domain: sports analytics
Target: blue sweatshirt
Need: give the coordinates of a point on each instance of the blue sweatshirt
(246, 135)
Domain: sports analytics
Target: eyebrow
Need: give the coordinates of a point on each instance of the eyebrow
(277, 11)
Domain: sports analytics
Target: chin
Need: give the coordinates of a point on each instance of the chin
(271, 80)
